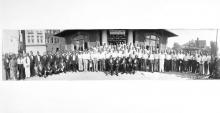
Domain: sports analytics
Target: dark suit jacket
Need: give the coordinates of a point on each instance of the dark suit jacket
(36, 60)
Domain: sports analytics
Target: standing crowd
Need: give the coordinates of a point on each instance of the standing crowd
(110, 59)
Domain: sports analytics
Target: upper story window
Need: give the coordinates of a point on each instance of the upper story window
(30, 32)
(32, 39)
(41, 39)
(52, 40)
(28, 39)
(38, 39)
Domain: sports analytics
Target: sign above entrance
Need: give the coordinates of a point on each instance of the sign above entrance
(117, 32)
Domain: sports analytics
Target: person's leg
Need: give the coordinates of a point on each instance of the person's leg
(210, 68)
(158, 65)
(162, 66)
(152, 66)
(86, 65)
(155, 65)
(206, 68)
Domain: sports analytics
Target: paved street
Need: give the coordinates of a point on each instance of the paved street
(136, 76)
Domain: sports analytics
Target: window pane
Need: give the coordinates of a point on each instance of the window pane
(147, 36)
(51, 39)
(153, 37)
(29, 40)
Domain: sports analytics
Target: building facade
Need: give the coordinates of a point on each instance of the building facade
(42, 41)
(10, 41)
(54, 43)
(200, 43)
(35, 41)
(83, 39)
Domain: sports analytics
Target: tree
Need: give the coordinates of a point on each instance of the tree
(177, 46)
(213, 48)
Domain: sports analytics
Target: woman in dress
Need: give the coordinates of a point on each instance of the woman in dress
(27, 66)
(13, 68)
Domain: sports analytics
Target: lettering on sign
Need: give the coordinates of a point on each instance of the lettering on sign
(117, 32)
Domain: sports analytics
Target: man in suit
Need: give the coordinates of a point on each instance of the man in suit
(37, 61)
(38, 58)
(32, 63)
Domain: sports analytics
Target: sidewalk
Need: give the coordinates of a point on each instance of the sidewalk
(137, 76)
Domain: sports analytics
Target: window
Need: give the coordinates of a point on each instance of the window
(32, 38)
(152, 41)
(29, 40)
(56, 40)
(41, 39)
(51, 39)
(48, 40)
(153, 37)
(37, 39)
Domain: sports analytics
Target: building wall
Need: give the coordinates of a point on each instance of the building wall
(52, 47)
(91, 37)
(140, 37)
(34, 49)
(163, 43)
(10, 41)
(53, 42)
(94, 38)
(35, 41)
(34, 37)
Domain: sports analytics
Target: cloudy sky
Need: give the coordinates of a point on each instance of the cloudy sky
(185, 35)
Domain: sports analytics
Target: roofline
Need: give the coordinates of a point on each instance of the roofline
(172, 34)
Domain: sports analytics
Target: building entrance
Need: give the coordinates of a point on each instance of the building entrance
(117, 37)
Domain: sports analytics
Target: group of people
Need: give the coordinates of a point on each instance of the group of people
(111, 59)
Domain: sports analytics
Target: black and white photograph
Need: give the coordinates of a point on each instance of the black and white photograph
(111, 54)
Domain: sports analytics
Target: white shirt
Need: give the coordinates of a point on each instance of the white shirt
(198, 59)
(146, 56)
(168, 57)
(180, 56)
(74, 57)
(162, 56)
(209, 58)
(26, 62)
(151, 57)
(19, 61)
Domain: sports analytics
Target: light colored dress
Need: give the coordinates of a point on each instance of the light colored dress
(27, 66)
(13, 69)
